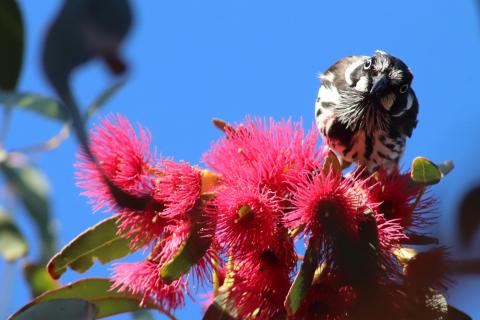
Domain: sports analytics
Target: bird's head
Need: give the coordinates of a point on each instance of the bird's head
(381, 76)
(378, 88)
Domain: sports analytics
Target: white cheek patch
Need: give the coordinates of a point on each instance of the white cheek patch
(407, 107)
(396, 75)
(349, 70)
(409, 101)
(362, 84)
(327, 77)
(328, 94)
(388, 101)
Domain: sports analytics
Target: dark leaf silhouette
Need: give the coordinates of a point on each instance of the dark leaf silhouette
(12, 42)
(469, 216)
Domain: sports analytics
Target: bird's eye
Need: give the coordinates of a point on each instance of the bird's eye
(404, 88)
(367, 64)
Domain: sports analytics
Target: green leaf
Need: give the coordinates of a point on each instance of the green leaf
(425, 171)
(192, 249)
(12, 243)
(31, 186)
(142, 315)
(43, 105)
(221, 307)
(71, 309)
(103, 98)
(99, 242)
(455, 314)
(12, 39)
(217, 311)
(38, 278)
(303, 281)
(94, 290)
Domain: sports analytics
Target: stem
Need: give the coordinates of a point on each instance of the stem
(50, 144)
(7, 111)
(215, 277)
(421, 192)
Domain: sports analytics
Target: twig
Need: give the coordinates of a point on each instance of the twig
(50, 144)
(7, 111)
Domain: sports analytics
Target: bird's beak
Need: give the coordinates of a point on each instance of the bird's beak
(379, 84)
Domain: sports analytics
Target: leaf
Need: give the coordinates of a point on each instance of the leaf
(12, 39)
(31, 186)
(12, 243)
(469, 216)
(72, 309)
(221, 308)
(83, 30)
(42, 105)
(331, 164)
(103, 98)
(303, 280)
(38, 278)
(94, 290)
(425, 171)
(192, 249)
(142, 315)
(455, 314)
(99, 242)
(217, 311)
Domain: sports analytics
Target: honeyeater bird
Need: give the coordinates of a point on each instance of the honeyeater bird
(366, 109)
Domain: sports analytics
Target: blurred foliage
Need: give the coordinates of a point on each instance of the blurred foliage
(96, 291)
(12, 39)
(469, 216)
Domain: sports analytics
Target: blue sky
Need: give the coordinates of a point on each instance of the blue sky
(191, 61)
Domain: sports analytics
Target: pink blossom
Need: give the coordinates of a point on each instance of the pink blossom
(397, 195)
(261, 282)
(143, 278)
(124, 158)
(264, 153)
(325, 203)
(247, 218)
(178, 187)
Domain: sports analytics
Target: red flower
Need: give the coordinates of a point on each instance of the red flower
(140, 227)
(124, 158)
(427, 270)
(264, 153)
(143, 278)
(326, 301)
(247, 218)
(261, 282)
(178, 187)
(397, 195)
(326, 203)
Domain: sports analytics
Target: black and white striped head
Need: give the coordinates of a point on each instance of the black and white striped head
(376, 88)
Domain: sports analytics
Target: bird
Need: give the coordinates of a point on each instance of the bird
(366, 109)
